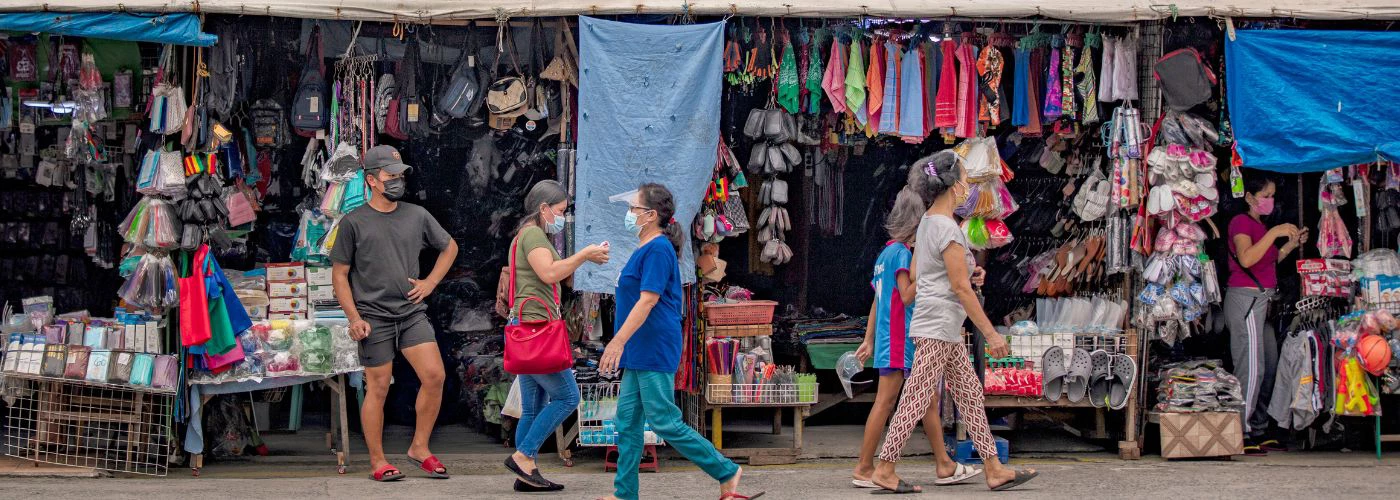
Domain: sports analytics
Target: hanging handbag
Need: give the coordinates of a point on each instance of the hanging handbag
(535, 347)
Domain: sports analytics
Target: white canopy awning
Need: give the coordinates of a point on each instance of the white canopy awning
(437, 10)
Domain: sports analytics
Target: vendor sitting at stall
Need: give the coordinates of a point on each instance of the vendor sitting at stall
(377, 282)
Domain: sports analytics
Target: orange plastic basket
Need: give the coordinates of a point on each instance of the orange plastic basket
(754, 312)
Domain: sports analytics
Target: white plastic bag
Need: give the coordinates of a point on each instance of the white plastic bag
(512, 407)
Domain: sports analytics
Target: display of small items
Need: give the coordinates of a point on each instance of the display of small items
(1326, 277)
(285, 348)
(287, 291)
(597, 412)
(1361, 349)
(125, 350)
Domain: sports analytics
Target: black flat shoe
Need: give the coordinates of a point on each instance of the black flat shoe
(524, 487)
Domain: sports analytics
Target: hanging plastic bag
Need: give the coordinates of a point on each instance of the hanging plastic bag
(512, 408)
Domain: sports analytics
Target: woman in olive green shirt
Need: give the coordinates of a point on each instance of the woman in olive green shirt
(546, 400)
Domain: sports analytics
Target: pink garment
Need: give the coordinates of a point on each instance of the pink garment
(967, 102)
(1053, 92)
(946, 113)
(834, 81)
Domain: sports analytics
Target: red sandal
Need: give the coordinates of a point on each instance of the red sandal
(431, 465)
(736, 496)
(386, 473)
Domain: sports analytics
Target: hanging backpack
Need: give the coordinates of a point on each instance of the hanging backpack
(269, 124)
(309, 109)
(455, 99)
(224, 68)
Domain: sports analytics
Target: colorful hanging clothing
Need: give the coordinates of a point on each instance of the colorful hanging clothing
(875, 85)
(834, 82)
(989, 66)
(1008, 79)
(1020, 109)
(912, 113)
(813, 84)
(946, 113)
(787, 81)
(889, 114)
(932, 62)
(967, 100)
(1067, 104)
(1053, 95)
(855, 83)
(1087, 86)
(1110, 46)
(1036, 61)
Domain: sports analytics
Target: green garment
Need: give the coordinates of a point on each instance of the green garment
(855, 78)
(787, 81)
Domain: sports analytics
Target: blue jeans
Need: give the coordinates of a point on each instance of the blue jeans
(545, 401)
(647, 396)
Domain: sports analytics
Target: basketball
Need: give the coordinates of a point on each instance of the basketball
(1375, 354)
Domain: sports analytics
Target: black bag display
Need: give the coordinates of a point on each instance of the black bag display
(310, 111)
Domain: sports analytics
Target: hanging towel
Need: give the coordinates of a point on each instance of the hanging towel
(1087, 86)
(1125, 75)
(967, 100)
(890, 112)
(1020, 108)
(932, 61)
(875, 84)
(834, 82)
(1110, 45)
(946, 113)
(989, 66)
(855, 83)
(787, 81)
(1053, 97)
(813, 85)
(1067, 104)
(911, 96)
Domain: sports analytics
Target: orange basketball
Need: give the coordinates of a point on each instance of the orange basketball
(1375, 354)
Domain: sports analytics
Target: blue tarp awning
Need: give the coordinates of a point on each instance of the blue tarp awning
(1308, 101)
(178, 29)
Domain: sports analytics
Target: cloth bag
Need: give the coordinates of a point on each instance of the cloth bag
(194, 303)
(535, 347)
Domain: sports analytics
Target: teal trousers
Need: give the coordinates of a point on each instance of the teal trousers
(647, 396)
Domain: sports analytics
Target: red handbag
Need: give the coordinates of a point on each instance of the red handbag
(194, 303)
(535, 347)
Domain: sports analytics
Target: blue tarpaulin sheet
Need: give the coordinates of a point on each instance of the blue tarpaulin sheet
(178, 29)
(1308, 101)
(649, 102)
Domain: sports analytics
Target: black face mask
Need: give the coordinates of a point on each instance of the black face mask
(394, 189)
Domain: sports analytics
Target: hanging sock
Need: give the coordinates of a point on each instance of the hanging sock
(911, 97)
(889, 114)
(967, 90)
(989, 66)
(834, 81)
(1020, 108)
(946, 113)
(855, 83)
(1110, 46)
(1053, 96)
(1087, 86)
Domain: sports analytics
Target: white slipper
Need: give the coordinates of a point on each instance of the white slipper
(962, 473)
(864, 483)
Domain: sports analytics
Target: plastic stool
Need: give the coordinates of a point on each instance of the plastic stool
(650, 460)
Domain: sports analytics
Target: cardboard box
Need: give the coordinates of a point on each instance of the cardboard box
(318, 293)
(287, 305)
(1206, 434)
(291, 271)
(286, 289)
(318, 276)
(288, 316)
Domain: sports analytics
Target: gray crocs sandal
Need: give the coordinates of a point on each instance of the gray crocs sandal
(1052, 368)
(1124, 377)
(1099, 379)
(1080, 369)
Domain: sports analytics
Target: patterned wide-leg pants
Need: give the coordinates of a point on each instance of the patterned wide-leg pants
(948, 361)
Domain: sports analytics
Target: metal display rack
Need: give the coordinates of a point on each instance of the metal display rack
(119, 428)
(719, 396)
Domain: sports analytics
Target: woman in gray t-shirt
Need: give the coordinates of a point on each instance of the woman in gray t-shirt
(945, 298)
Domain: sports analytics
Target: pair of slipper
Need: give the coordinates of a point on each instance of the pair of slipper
(1107, 379)
(431, 465)
(960, 474)
(1021, 477)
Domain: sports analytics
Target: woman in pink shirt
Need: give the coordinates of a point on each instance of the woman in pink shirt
(1254, 256)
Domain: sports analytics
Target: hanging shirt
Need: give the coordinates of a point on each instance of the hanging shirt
(875, 84)
(946, 113)
(1110, 45)
(1053, 96)
(1125, 75)
(989, 66)
(1032, 126)
(1020, 108)
(834, 81)
(894, 348)
(1087, 86)
(855, 83)
(889, 115)
(967, 91)
(656, 345)
(932, 60)
(1067, 104)
(911, 96)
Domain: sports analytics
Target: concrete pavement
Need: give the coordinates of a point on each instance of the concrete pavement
(1280, 476)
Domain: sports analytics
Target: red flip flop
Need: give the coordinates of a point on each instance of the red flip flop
(386, 473)
(431, 465)
(736, 496)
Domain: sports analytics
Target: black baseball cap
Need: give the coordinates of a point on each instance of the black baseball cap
(385, 158)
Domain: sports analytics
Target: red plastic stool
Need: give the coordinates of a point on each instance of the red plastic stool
(650, 460)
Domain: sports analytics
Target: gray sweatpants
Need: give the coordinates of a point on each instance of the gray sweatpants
(1295, 397)
(1254, 350)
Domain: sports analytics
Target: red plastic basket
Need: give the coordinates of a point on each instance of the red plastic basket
(754, 312)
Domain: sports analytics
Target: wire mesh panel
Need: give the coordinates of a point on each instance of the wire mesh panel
(100, 426)
(597, 415)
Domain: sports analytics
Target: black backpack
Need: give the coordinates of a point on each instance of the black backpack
(310, 111)
(269, 124)
(224, 68)
(463, 89)
(413, 115)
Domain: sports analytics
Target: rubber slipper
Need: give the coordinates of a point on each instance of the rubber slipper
(864, 483)
(431, 465)
(532, 479)
(1099, 382)
(962, 473)
(1121, 384)
(1052, 364)
(1080, 369)
(1272, 445)
(899, 489)
(736, 496)
(1021, 478)
(386, 473)
(524, 487)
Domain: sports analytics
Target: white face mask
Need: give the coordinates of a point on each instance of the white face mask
(556, 225)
